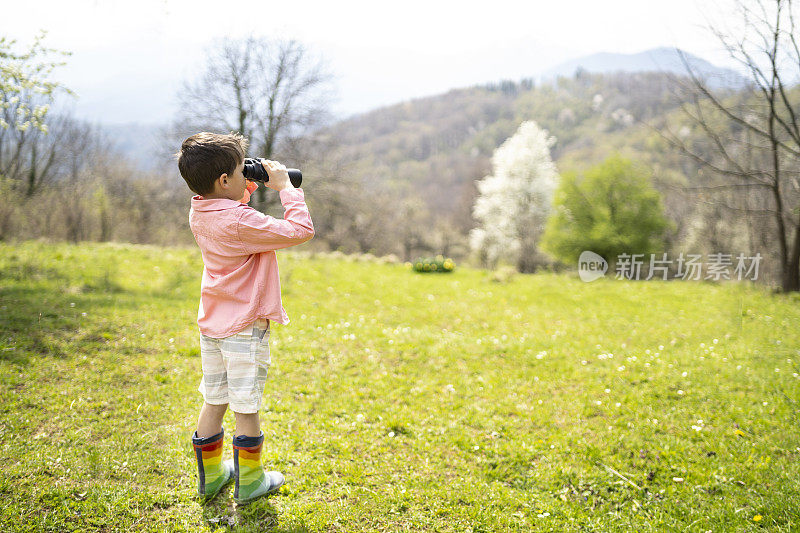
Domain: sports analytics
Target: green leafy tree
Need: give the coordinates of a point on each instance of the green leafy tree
(610, 210)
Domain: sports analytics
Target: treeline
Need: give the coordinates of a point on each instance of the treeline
(71, 183)
(399, 180)
(402, 179)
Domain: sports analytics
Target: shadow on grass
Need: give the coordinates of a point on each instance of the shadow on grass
(258, 515)
(34, 343)
(39, 321)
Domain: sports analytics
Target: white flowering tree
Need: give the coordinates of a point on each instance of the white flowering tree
(26, 94)
(514, 202)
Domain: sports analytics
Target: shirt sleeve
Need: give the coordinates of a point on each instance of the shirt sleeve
(261, 233)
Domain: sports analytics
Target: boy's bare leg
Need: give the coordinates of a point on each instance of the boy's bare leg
(247, 424)
(209, 422)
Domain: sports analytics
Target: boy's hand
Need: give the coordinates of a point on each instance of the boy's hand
(278, 176)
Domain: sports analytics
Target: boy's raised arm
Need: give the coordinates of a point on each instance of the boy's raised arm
(261, 233)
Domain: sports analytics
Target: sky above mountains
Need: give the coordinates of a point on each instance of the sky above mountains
(129, 59)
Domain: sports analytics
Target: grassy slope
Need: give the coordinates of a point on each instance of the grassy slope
(399, 401)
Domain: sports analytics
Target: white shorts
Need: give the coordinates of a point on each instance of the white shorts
(235, 368)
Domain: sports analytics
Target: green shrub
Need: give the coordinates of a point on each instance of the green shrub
(434, 264)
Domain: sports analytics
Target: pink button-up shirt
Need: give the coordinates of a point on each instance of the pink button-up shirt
(240, 273)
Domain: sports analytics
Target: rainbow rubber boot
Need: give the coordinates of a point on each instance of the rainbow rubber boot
(251, 479)
(213, 472)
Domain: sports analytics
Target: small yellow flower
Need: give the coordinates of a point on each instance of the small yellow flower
(740, 433)
(757, 518)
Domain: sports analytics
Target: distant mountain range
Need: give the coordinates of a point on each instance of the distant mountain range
(656, 59)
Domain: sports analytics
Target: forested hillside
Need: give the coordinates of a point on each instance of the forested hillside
(417, 162)
(435, 148)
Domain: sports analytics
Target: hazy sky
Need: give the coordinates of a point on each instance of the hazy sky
(130, 57)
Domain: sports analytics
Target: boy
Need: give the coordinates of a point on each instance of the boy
(239, 296)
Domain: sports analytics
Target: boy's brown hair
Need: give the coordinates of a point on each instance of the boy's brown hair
(205, 156)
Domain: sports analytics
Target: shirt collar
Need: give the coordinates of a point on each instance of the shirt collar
(213, 204)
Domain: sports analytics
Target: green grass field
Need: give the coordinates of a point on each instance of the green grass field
(399, 401)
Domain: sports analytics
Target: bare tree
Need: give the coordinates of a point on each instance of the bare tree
(752, 137)
(271, 91)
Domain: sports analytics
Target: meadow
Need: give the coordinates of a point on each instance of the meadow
(400, 401)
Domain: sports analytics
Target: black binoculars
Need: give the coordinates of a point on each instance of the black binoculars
(255, 171)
